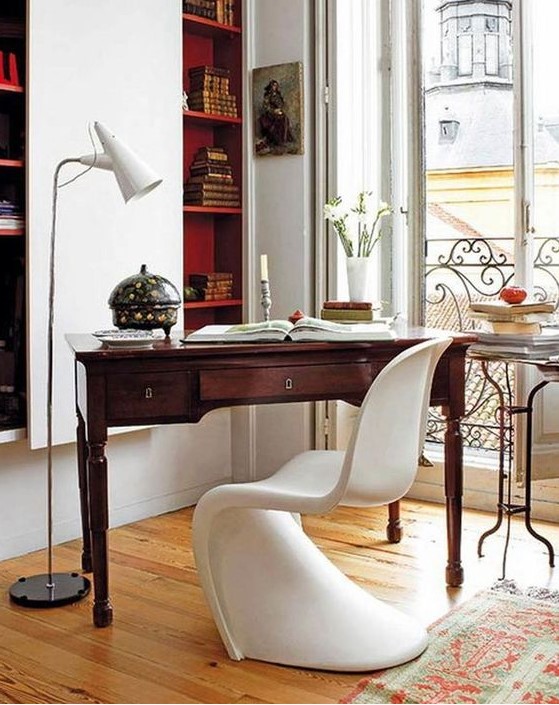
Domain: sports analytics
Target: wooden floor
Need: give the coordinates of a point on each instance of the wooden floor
(163, 646)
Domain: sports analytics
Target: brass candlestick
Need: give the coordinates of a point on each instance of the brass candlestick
(265, 298)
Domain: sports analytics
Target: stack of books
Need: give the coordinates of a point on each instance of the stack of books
(209, 91)
(500, 318)
(211, 180)
(11, 215)
(212, 286)
(347, 311)
(539, 347)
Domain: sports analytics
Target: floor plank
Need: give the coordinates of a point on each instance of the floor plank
(163, 646)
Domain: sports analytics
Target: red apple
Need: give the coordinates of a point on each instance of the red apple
(513, 294)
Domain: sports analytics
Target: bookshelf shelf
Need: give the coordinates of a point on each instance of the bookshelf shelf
(228, 303)
(7, 88)
(12, 163)
(211, 120)
(209, 28)
(209, 210)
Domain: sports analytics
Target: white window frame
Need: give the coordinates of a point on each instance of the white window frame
(402, 113)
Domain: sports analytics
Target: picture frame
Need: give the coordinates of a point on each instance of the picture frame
(278, 109)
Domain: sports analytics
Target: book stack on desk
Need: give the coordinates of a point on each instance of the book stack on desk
(347, 311)
(523, 319)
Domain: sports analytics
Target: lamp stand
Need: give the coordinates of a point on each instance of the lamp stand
(51, 589)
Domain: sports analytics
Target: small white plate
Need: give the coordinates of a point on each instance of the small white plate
(126, 338)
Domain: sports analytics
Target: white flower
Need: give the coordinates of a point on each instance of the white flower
(356, 227)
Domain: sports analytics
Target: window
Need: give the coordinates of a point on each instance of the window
(461, 146)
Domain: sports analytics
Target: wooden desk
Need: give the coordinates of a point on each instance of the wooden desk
(174, 383)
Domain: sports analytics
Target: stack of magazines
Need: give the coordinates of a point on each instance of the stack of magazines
(523, 347)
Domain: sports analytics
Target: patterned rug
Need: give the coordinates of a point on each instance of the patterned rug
(502, 646)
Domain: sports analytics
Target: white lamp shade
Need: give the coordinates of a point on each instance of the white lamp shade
(134, 177)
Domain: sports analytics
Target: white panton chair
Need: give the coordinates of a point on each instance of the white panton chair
(273, 594)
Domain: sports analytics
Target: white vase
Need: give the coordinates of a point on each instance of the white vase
(358, 278)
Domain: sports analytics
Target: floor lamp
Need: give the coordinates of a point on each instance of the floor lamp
(135, 179)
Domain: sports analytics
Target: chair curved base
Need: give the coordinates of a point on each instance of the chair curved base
(275, 597)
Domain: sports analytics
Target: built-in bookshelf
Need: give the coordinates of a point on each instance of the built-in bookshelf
(12, 225)
(212, 126)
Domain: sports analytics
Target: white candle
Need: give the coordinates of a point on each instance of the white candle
(264, 268)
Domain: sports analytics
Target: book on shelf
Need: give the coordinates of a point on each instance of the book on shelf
(500, 308)
(211, 171)
(218, 297)
(215, 153)
(211, 179)
(210, 188)
(206, 70)
(212, 203)
(306, 329)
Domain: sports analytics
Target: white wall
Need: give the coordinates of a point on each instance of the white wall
(283, 217)
(118, 62)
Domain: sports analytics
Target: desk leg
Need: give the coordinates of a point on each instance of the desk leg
(453, 490)
(394, 526)
(99, 516)
(84, 495)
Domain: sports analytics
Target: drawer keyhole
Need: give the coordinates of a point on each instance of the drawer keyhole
(149, 393)
(289, 383)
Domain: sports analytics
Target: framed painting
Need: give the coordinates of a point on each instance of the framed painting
(277, 94)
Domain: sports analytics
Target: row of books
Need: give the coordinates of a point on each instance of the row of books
(213, 104)
(11, 215)
(209, 91)
(209, 78)
(222, 11)
(212, 286)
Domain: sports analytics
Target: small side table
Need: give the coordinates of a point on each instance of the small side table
(507, 410)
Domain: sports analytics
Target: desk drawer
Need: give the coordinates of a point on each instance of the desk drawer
(285, 382)
(147, 395)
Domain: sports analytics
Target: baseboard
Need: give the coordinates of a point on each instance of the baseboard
(480, 491)
(118, 516)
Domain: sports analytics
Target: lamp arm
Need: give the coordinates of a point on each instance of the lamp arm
(50, 346)
(100, 161)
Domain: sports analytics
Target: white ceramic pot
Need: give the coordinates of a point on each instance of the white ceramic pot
(359, 278)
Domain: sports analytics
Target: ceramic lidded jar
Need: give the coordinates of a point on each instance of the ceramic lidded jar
(145, 301)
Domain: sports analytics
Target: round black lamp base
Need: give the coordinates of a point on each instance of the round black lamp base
(36, 591)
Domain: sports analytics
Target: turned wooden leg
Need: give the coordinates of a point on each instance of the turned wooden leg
(394, 526)
(99, 516)
(84, 495)
(453, 492)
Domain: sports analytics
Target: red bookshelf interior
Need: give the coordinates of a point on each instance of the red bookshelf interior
(213, 235)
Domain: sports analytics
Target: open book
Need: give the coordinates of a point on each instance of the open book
(306, 329)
